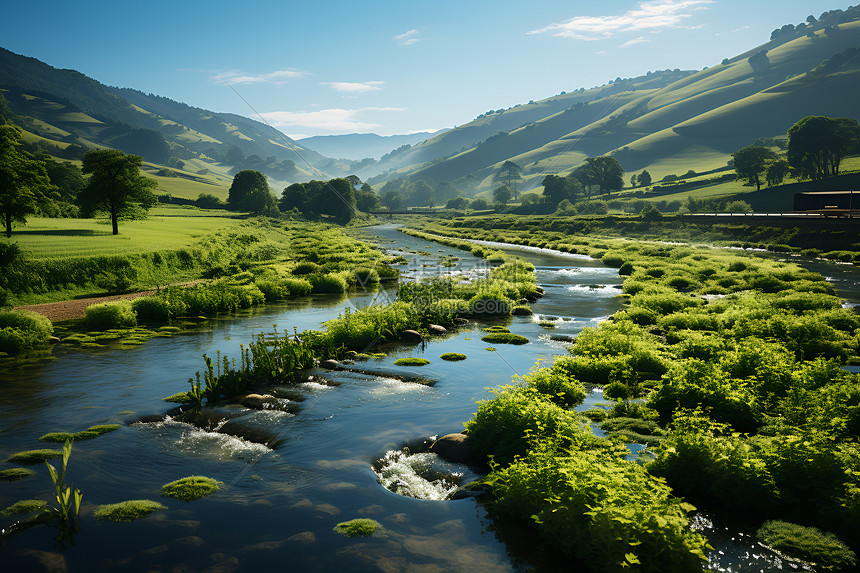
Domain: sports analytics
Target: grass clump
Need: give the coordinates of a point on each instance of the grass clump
(85, 435)
(32, 457)
(14, 474)
(125, 511)
(57, 437)
(505, 338)
(411, 361)
(103, 428)
(361, 527)
(191, 488)
(108, 315)
(453, 356)
(808, 544)
(496, 329)
(22, 329)
(180, 398)
(25, 506)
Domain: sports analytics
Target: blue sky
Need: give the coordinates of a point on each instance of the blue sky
(329, 67)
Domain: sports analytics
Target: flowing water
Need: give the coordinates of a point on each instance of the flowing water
(346, 436)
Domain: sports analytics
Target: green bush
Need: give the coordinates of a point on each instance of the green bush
(807, 543)
(151, 309)
(557, 386)
(107, 315)
(306, 268)
(330, 283)
(22, 329)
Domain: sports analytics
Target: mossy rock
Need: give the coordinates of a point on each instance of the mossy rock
(490, 349)
(505, 338)
(496, 329)
(14, 474)
(411, 361)
(130, 510)
(522, 310)
(191, 488)
(57, 437)
(102, 428)
(453, 356)
(807, 543)
(25, 506)
(361, 527)
(31, 457)
(180, 398)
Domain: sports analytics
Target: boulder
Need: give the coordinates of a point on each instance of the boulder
(453, 447)
(521, 311)
(330, 364)
(467, 493)
(411, 336)
(437, 330)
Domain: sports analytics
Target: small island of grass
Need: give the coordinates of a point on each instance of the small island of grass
(191, 488)
(505, 338)
(130, 510)
(453, 356)
(411, 361)
(361, 527)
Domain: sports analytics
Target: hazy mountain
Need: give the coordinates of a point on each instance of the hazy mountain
(358, 146)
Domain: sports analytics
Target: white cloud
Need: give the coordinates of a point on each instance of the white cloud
(333, 120)
(354, 87)
(407, 38)
(236, 77)
(634, 41)
(649, 16)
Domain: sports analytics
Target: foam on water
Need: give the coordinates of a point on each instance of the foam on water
(192, 440)
(579, 272)
(391, 387)
(596, 290)
(422, 476)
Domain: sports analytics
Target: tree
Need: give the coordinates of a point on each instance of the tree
(509, 173)
(817, 145)
(457, 203)
(751, 163)
(115, 185)
(604, 171)
(633, 180)
(556, 189)
(423, 194)
(392, 200)
(250, 192)
(366, 198)
(502, 194)
(23, 180)
(644, 179)
(776, 172)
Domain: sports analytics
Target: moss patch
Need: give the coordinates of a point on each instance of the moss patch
(58, 437)
(31, 457)
(86, 435)
(191, 488)
(130, 510)
(25, 506)
(496, 329)
(102, 428)
(505, 338)
(14, 474)
(453, 356)
(411, 361)
(179, 398)
(807, 543)
(361, 527)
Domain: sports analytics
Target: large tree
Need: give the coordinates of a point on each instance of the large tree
(751, 163)
(502, 194)
(115, 185)
(644, 179)
(250, 192)
(817, 145)
(509, 173)
(556, 189)
(604, 171)
(24, 181)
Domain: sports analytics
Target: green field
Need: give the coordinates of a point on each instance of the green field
(168, 227)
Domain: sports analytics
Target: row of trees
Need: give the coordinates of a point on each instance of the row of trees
(816, 147)
(602, 174)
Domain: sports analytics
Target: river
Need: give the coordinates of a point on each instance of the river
(278, 506)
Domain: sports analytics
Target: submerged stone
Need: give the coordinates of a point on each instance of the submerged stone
(453, 447)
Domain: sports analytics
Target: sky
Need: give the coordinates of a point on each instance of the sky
(329, 67)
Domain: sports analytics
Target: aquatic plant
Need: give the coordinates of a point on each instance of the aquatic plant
(191, 488)
(25, 506)
(130, 510)
(14, 474)
(505, 338)
(411, 361)
(31, 457)
(67, 496)
(361, 527)
(101, 429)
(809, 544)
(453, 356)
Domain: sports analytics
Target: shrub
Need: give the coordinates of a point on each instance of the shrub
(130, 510)
(191, 488)
(151, 309)
(109, 315)
(330, 283)
(22, 330)
(306, 268)
(490, 303)
(807, 543)
(557, 387)
(297, 287)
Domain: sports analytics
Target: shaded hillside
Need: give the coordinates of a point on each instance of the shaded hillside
(667, 122)
(358, 146)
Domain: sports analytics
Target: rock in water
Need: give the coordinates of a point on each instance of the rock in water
(411, 336)
(330, 364)
(436, 329)
(453, 447)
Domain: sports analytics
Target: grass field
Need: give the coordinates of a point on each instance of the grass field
(167, 227)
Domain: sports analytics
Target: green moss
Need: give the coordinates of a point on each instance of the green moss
(126, 413)
(58, 437)
(505, 338)
(31, 457)
(85, 435)
(807, 543)
(453, 356)
(130, 510)
(490, 349)
(179, 398)
(25, 506)
(496, 329)
(411, 361)
(361, 527)
(14, 474)
(103, 428)
(169, 329)
(191, 488)
(522, 310)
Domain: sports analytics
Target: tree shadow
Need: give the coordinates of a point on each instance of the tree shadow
(63, 232)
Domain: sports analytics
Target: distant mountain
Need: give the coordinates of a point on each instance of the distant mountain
(667, 122)
(357, 146)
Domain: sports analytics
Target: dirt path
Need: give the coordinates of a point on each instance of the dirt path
(75, 308)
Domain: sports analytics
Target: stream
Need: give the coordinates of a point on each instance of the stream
(278, 505)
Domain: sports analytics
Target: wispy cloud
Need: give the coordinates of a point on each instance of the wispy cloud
(634, 41)
(332, 120)
(407, 38)
(236, 77)
(355, 87)
(653, 16)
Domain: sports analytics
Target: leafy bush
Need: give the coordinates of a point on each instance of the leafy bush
(22, 329)
(330, 283)
(107, 315)
(807, 543)
(556, 386)
(151, 308)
